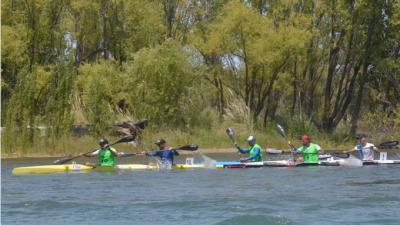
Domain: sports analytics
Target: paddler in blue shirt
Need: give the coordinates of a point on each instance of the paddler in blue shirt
(166, 154)
(254, 151)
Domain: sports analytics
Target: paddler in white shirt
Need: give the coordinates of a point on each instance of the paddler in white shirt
(365, 149)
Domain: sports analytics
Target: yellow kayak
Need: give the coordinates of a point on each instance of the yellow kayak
(50, 169)
(188, 166)
(85, 168)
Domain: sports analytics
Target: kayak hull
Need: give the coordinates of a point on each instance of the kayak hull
(46, 169)
(50, 169)
(288, 163)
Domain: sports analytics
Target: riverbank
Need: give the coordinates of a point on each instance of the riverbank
(39, 155)
(201, 150)
(212, 140)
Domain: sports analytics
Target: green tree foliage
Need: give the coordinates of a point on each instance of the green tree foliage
(99, 87)
(159, 80)
(256, 52)
(113, 29)
(40, 98)
(316, 64)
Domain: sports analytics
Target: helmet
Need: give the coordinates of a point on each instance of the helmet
(160, 142)
(251, 138)
(103, 142)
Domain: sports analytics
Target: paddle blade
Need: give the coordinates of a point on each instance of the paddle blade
(127, 154)
(230, 133)
(389, 144)
(190, 147)
(273, 151)
(340, 155)
(126, 138)
(280, 130)
(142, 123)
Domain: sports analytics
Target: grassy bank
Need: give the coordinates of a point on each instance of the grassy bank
(214, 140)
(210, 138)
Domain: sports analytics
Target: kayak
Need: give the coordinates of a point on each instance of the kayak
(289, 163)
(45, 169)
(50, 169)
(379, 162)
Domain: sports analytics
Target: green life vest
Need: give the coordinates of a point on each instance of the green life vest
(259, 158)
(310, 153)
(106, 158)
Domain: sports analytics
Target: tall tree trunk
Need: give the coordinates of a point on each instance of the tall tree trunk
(364, 74)
(170, 11)
(294, 94)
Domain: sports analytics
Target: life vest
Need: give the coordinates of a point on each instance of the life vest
(259, 158)
(106, 157)
(310, 153)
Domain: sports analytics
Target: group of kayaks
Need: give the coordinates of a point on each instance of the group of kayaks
(74, 167)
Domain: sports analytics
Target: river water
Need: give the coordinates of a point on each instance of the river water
(324, 195)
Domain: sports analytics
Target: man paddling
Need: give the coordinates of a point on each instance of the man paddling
(309, 151)
(364, 148)
(254, 151)
(165, 153)
(106, 154)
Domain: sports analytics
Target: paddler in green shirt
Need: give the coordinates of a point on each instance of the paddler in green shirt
(107, 155)
(254, 151)
(309, 151)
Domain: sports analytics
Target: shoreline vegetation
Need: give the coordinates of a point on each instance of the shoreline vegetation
(329, 69)
(210, 141)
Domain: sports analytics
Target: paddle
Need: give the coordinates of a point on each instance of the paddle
(123, 154)
(282, 132)
(389, 144)
(340, 155)
(126, 138)
(231, 134)
(189, 147)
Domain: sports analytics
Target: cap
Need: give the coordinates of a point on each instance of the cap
(103, 142)
(305, 137)
(359, 136)
(160, 141)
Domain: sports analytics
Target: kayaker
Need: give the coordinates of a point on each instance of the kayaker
(309, 151)
(106, 154)
(254, 151)
(165, 153)
(364, 148)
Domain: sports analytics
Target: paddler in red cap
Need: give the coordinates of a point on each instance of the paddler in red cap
(309, 151)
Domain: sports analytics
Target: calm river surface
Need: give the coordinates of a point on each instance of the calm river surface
(325, 195)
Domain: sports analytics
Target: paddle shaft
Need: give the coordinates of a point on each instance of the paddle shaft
(75, 157)
(124, 139)
(182, 148)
